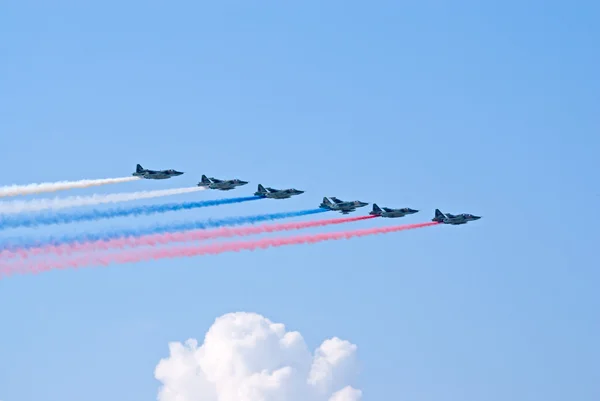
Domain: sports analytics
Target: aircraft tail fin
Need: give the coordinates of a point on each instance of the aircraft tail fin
(439, 216)
(205, 179)
(139, 168)
(327, 202)
(261, 189)
(376, 210)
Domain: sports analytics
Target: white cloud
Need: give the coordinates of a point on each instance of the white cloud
(347, 394)
(246, 357)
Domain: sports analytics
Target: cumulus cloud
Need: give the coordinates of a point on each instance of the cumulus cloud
(247, 357)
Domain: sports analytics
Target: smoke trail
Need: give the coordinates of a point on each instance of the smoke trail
(37, 205)
(63, 218)
(16, 190)
(186, 236)
(18, 245)
(139, 255)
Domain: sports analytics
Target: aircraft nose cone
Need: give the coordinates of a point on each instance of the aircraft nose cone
(364, 203)
(178, 173)
(243, 182)
(476, 217)
(413, 211)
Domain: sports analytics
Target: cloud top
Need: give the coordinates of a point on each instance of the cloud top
(247, 357)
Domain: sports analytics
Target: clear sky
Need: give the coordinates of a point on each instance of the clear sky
(488, 108)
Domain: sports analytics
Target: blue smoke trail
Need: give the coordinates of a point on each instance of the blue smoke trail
(58, 218)
(158, 229)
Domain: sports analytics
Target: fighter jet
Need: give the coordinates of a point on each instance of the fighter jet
(276, 193)
(387, 212)
(343, 207)
(223, 185)
(455, 220)
(155, 175)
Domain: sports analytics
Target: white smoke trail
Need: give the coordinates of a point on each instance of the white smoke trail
(35, 205)
(16, 190)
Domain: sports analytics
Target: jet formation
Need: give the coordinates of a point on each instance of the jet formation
(341, 206)
(273, 193)
(222, 185)
(455, 220)
(154, 174)
(332, 203)
(392, 213)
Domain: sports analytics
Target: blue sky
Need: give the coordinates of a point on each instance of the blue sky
(489, 109)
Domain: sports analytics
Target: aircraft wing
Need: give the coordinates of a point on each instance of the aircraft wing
(336, 200)
(215, 180)
(387, 209)
(272, 189)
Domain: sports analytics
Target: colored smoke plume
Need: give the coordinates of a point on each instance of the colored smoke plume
(36, 205)
(77, 217)
(30, 189)
(186, 236)
(12, 246)
(139, 255)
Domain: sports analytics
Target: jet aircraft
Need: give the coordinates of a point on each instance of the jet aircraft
(223, 185)
(343, 207)
(155, 175)
(455, 220)
(273, 193)
(387, 212)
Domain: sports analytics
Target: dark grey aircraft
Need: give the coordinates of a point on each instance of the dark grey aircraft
(455, 220)
(387, 212)
(223, 185)
(344, 207)
(155, 175)
(273, 193)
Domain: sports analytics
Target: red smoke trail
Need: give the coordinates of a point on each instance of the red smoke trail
(139, 255)
(167, 238)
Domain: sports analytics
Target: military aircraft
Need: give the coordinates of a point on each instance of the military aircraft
(273, 193)
(344, 207)
(223, 185)
(455, 220)
(387, 212)
(155, 175)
